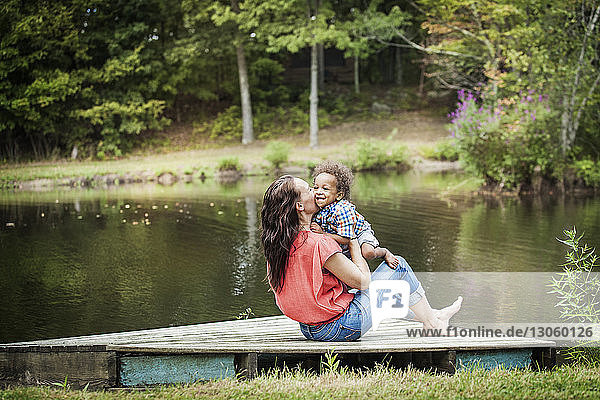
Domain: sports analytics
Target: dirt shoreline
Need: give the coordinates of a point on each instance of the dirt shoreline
(170, 178)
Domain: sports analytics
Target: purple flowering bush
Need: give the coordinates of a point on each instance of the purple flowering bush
(504, 140)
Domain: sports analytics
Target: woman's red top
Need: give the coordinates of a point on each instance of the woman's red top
(311, 294)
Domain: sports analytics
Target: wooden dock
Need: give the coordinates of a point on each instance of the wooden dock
(239, 348)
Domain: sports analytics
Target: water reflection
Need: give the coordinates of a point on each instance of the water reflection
(83, 261)
(518, 234)
(506, 297)
(245, 272)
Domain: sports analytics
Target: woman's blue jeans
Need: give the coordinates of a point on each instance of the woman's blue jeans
(356, 320)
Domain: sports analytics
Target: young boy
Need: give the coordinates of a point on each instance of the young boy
(338, 217)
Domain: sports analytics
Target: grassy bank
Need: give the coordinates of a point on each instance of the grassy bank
(411, 129)
(380, 383)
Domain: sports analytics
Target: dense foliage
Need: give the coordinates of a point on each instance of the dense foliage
(75, 74)
(91, 77)
(511, 52)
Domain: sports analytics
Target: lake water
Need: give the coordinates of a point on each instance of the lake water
(77, 262)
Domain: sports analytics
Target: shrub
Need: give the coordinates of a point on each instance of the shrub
(577, 289)
(370, 154)
(378, 154)
(311, 165)
(228, 164)
(399, 156)
(589, 171)
(277, 153)
(275, 121)
(502, 141)
(228, 124)
(446, 150)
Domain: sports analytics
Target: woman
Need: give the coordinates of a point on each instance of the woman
(311, 278)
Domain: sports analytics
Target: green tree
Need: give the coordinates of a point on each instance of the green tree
(235, 16)
(76, 74)
(123, 93)
(507, 51)
(523, 45)
(583, 76)
(39, 44)
(291, 26)
(372, 29)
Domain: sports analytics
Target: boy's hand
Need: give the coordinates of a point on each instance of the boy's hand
(316, 228)
(391, 259)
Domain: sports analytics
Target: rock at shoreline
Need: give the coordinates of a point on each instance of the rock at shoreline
(110, 179)
(147, 176)
(228, 176)
(380, 108)
(167, 179)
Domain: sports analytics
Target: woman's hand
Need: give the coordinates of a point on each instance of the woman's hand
(356, 254)
(355, 273)
(316, 228)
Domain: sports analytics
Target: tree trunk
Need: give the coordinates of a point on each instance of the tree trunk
(34, 147)
(177, 109)
(247, 124)
(321, 66)
(570, 122)
(356, 76)
(564, 126)
(314, 98)
(422, 80)
(320, 53)
(390, 72)
(398, 66)
(46, 147)
(422, 75)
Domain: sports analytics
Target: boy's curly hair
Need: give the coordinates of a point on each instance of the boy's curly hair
(343, 175)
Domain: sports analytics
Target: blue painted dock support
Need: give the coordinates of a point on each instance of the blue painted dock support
(491, 359)
(145, 370)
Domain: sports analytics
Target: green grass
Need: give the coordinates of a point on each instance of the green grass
(180, 163)
(443, 150)
(228, 164)
(379, 383)
(252, 158)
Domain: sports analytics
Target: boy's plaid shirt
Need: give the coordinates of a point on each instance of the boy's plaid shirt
(339, 217)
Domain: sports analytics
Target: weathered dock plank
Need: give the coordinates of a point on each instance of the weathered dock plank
(229, 348)
(98, 369)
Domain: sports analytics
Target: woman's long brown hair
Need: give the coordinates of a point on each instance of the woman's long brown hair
(280, 227)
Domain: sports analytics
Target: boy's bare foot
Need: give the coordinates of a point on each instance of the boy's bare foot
(447, 312)
(442, 317)
(390, 259)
